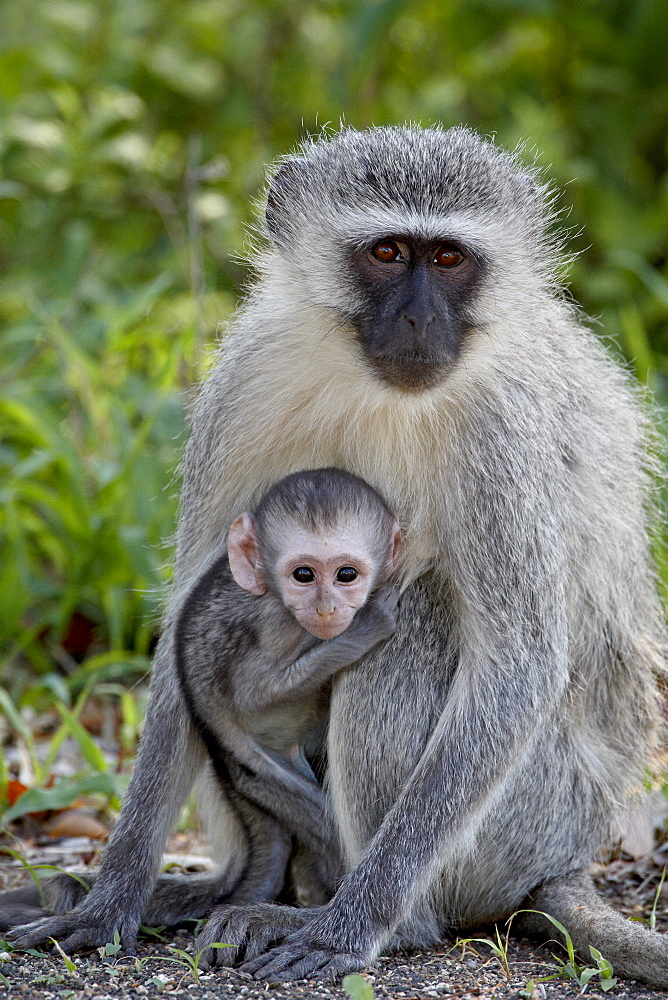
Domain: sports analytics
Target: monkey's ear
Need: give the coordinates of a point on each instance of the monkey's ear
(290, 179)
(244, 555)
(395, 549)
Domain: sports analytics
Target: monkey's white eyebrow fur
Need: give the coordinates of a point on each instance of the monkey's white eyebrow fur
(473, 229)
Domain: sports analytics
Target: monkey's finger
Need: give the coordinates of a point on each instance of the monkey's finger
(129, 942)
(212, 958)
(302, 963)
(259, 942)
(83, 939)
(310, 966)
(340, 965)
(39, 932)
(272, 963)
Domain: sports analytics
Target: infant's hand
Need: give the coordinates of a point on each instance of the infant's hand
(382, 608)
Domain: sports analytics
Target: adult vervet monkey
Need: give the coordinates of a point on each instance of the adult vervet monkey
(407, 326)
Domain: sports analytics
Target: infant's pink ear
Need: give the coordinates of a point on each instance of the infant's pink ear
(395, 549)
(244, 555)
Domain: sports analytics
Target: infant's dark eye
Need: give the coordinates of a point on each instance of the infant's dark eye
(347, 574)
(304, 575)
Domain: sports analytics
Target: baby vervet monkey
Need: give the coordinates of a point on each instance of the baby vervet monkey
(302, 592)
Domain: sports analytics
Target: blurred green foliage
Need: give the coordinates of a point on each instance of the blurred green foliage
(133, 135)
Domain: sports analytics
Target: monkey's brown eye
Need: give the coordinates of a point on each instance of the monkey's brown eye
(387, 251)
(347, 574)
(448, 257)
(303, 575)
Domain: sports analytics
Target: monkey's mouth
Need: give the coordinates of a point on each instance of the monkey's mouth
(325, 630)
(412, 374)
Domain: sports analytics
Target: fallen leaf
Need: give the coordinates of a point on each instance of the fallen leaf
(76, 824)
(14, 790)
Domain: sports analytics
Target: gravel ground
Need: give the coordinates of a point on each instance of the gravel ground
(409, 976)
(632, 885)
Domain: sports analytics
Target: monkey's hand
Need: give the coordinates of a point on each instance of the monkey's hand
(246, 930)
(323, 949)
(82, 929)
(377, 621)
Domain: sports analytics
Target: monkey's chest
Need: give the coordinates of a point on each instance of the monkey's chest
(384, 709)
(284, 726)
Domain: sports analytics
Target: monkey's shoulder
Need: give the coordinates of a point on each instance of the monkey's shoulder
(218, 610)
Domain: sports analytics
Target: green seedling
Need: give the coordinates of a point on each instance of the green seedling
(572, 969)
(652, 915)
(651, 920)
(188, 961)
(159, 981)
(112, 948)
(69, 964)
(358, 987)
(499, 947)
(48, 979)
(156, 932)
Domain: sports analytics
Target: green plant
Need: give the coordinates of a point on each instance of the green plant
(651, 920)
(572, 969)
(499, 947)
(112, 948)
(188, 961)
(51, 978)
(69, 964)
(65, 792)
(358, 987)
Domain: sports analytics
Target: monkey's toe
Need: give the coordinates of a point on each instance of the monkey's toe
(249, 930)
(298, 960)
(36, 933)
(71, 933)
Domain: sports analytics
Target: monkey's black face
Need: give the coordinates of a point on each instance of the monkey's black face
(414, 318)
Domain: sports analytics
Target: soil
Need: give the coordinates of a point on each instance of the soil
(459, 970)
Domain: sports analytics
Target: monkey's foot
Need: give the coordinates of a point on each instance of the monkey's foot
(75, 932)
(247, 930)
(299, 958)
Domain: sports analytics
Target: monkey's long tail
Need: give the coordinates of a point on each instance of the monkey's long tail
(633, 950)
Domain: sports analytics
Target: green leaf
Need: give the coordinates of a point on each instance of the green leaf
(63, 794)
(22, 729)
(113, 948)
(90, 752)
(69, 964)
(358, 987)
